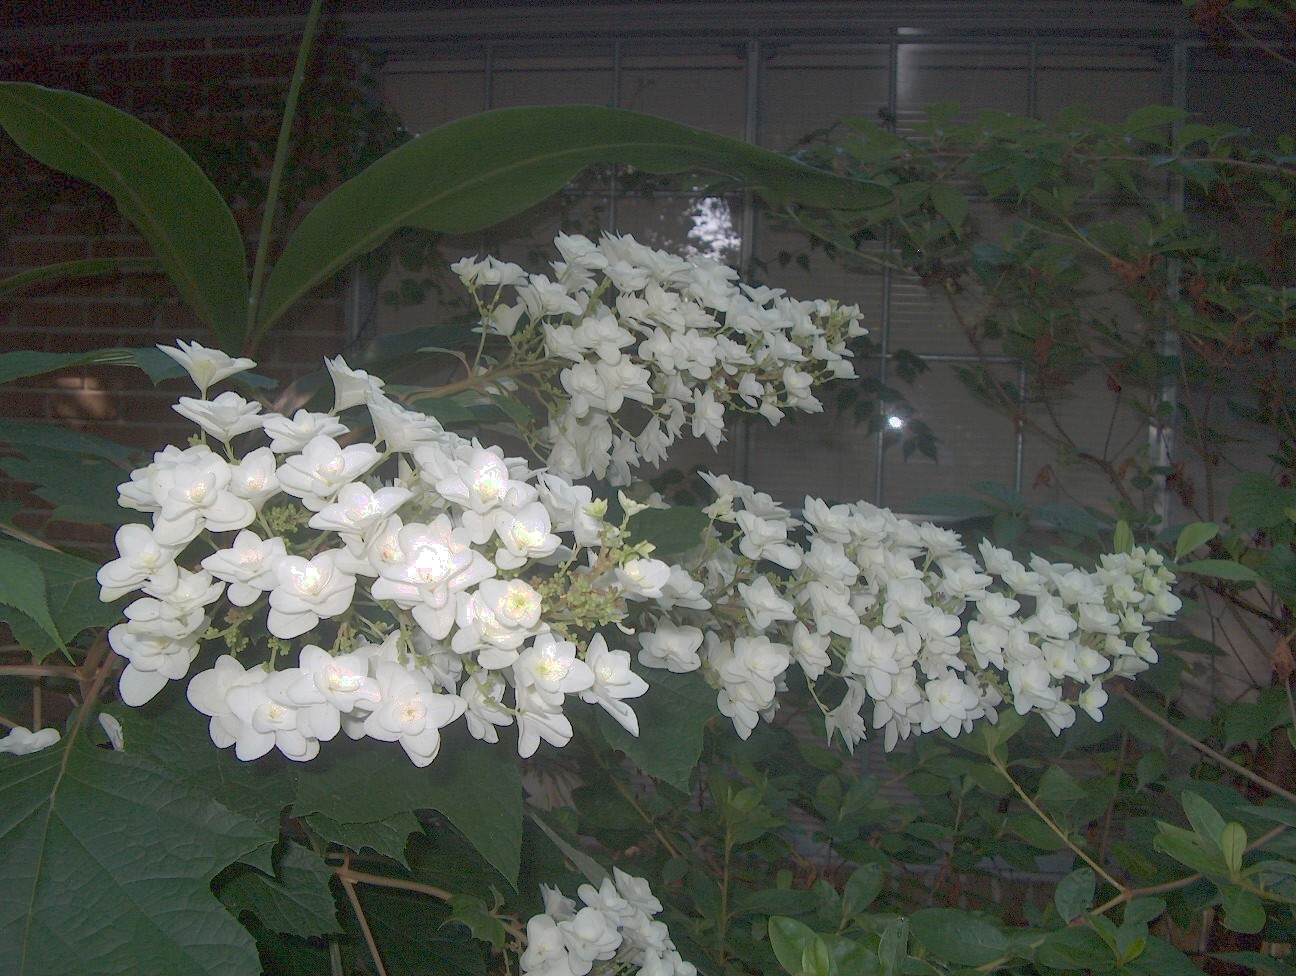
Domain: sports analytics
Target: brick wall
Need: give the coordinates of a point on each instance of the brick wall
(220, 97)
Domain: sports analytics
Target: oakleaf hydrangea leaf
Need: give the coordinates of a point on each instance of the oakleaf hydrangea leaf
(108, 865)
(472, 785)
(296, 901)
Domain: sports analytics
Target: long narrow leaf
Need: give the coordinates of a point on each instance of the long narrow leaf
(89, 268)
(477, 171)
(158, 188)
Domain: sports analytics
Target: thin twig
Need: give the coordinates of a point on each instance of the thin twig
(347, 874)
(1049, 822)
(1206, 750)
(349, 888)
(1166, 887)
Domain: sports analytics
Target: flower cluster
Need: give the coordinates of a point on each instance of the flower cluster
(615, 932)
(368, 572)
(405, 582)
(649, 344)
(907, 620)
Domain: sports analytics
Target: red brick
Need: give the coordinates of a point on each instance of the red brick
(170, 44)
(33, 252)
(206, 67)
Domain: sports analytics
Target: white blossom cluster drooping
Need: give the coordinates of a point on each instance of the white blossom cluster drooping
(614, 932)
(365, 571)
(900, 617)
(651, 344)
(459, 584)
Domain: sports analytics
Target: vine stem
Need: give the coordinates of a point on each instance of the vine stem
(1052, 825)
(348, 875)
(1206, 750)
(347, 886)
(1129, 894)
(276, 172)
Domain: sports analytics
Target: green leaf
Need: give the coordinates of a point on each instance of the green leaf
(474, 172)
(474, 785)
(413, 938)
(87, 268)
(893, 946)
(1205, 819)
(23, 363)
(672, 717)
(108, 863)
(82, 489)
(72, 594)
(958, 936)
(157, 187)
(671, 530)
(22, 586)
(789, 939)
(950, 203)
(1243, 911)
(1075, 948)
(1075, 894)
(1194, 535)
(296, 901)
(1186, 848)
(1123, 538)
(1258, 961)
(594, 872)
(777, 901)
(20, 433)
(388, 838)
(1248, 721)
(171, 734)
(470, 912)
(1220, 569)
(1233, 843)
(1257, 501)
(951, 505)
(864, 885)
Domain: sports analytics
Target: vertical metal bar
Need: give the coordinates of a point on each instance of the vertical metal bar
(1161, 437)
(884, 314)
(1019, 433)
(744, 447)
(614, 187)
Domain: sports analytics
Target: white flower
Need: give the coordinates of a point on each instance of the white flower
(328, 686)
(206, 366)
(224, 418)
(537, 719)
(208, 692)
(671, 647)
(142, 558)
(305, 592)
(323, 468)
(551, 669)
(253, 478)
(643, 579)
(197, 498)
(266, 720)
(613, 682)
(248, 566)
(288, 436)
(398, 428)
(411, 712)
(20, 741)
(351, 387)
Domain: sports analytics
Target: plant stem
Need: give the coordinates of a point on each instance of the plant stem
(346, 874)
(722, 923)
(1049, 822)
(276, 173)
(349, 888)
(1206, 750)
(1129, 894)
